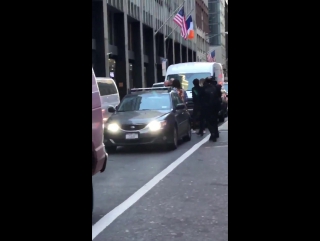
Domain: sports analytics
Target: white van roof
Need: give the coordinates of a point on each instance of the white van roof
(190, 67)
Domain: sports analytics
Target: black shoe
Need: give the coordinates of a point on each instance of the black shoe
(213, 139)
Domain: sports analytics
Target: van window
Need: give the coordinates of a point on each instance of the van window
(187, 79)
(107, 87)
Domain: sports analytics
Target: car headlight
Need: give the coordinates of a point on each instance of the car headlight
(156, 125)
(113, 127)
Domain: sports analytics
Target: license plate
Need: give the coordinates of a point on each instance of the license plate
(132, 136)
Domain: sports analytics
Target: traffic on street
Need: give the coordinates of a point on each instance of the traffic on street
(160, 120)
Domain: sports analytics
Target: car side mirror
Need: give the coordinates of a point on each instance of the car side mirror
(180, 106)
(111, 109)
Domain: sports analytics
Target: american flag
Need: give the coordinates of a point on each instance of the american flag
(180, 20)
(211, 56)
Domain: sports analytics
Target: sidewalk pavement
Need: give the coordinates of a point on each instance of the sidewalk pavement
(224, 126)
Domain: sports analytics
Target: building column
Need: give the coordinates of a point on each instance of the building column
(106, 37)
(173, 48)
(181, 58)
(122, 65)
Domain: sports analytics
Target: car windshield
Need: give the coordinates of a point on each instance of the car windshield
(225, 86)
(187, 79)
(145, 101)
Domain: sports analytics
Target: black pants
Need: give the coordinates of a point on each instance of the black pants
(210, 118)
(196, 116)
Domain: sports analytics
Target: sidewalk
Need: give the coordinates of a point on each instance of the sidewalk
(224, 126)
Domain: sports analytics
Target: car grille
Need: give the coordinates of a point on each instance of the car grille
(132, 127)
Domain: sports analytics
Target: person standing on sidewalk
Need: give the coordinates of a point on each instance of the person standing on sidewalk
(196, 94)
(209, 108)
(201, 108)
(218, 103)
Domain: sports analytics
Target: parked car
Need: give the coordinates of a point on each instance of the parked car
(109, 95)
(99, 155)
(148, 116)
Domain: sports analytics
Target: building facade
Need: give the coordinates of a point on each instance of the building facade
(130, 39)
(202, 20)
(217, 38)
(226, 22)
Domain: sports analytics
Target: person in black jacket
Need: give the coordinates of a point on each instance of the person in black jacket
(209, 105)
(218, 106)
(196, 92)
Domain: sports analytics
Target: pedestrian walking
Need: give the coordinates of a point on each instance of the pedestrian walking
(196, 92)
(209, 108)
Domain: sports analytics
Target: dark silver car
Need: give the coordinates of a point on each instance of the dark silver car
(148, 116)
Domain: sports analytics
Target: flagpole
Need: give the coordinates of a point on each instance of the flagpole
(177, 26)
(170, 17)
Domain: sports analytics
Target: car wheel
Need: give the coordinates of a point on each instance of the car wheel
(174, 140)
(92, 197)
(111, 149)
(188, 135)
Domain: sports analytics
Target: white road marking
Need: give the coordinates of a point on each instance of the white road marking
(106, 220)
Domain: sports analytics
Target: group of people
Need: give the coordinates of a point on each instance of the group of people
(206, 97)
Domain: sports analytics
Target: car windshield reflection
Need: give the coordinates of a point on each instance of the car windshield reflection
(143, 102)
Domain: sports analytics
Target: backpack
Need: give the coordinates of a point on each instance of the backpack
(211, 98)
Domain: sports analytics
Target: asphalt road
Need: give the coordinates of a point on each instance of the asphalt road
(190, 203)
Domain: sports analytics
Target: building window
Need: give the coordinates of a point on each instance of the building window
(110, 27)
(130, 37)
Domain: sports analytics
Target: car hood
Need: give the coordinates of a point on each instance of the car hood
(137, 117)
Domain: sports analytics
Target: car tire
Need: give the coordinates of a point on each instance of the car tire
(174, 140)
(188, 136)
(111, 149)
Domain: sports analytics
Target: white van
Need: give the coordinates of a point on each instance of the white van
(109, 95)
(187, 72)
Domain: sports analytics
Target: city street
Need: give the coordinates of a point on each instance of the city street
(186, 196)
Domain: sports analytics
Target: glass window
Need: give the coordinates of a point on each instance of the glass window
(107, 87)
(145, 101)
(187, 79)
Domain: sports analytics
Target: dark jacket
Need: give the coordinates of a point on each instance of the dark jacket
(209, 96)
(196, 95)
